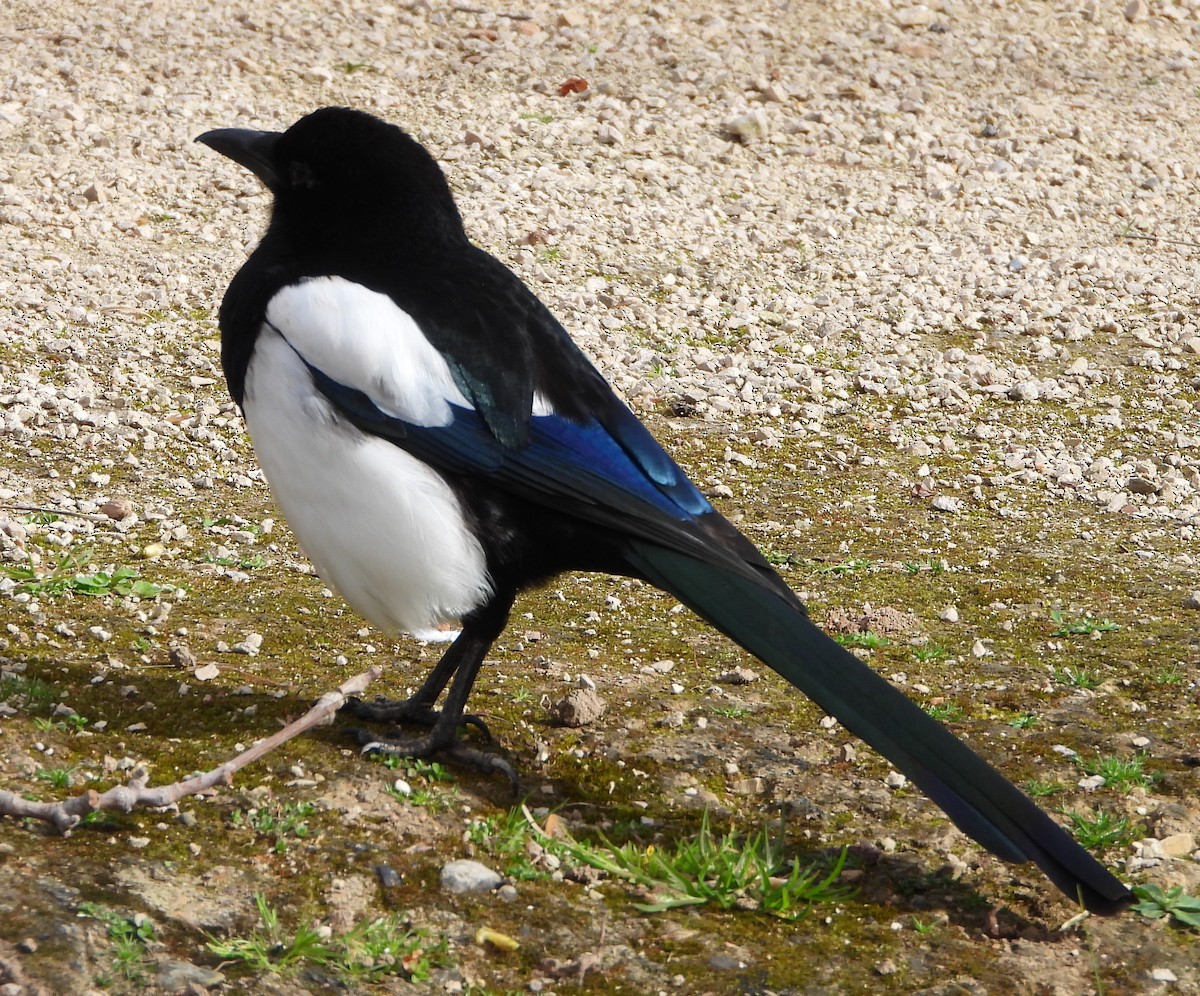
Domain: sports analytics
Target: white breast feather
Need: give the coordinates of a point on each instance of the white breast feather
(379, 525)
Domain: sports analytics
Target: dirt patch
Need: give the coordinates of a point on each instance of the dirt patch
(882, 621)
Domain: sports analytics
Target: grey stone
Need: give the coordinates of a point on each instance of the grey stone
(464, 876)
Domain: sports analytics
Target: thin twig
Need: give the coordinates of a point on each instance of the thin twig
(56, 511)
(1158, 238)
(138, 793)
(497, 13)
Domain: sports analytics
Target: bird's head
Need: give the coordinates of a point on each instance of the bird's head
(339, 167)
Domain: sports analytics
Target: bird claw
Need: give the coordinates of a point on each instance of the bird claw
(435, 743)
(484, 762)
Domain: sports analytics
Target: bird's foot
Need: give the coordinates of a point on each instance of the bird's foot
(428, 746)
(435, 743)
(442, 740)
(384, 710)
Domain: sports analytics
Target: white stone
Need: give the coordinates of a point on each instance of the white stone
(918, 16)
(749, 126)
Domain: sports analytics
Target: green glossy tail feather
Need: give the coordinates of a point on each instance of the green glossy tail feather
(762, 618)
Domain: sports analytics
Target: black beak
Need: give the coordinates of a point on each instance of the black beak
(253, 149)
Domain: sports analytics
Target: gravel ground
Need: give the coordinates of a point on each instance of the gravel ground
(943, 255)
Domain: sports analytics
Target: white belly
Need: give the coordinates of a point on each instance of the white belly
(379, 525)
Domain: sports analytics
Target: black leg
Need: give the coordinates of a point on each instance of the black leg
(458, 667)
(419, 708)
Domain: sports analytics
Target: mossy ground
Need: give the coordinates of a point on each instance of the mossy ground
(838, 515)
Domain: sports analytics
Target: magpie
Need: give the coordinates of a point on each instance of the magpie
(438, 444)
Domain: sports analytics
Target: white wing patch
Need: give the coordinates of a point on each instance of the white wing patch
(382, 527)
(361, 339)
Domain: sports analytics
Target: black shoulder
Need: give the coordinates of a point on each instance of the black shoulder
(502, 343)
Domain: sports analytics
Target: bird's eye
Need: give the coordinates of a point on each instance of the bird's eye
(302, 176)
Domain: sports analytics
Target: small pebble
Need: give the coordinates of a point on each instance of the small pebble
(1137, 10)
(181, 656)
(117, 509)
(748, 127)
(917, 16)
(184, 977)
(578, 708)
(465, 875)
(748, 786)
(388, 877)
(250, 646)
(1178, 845)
